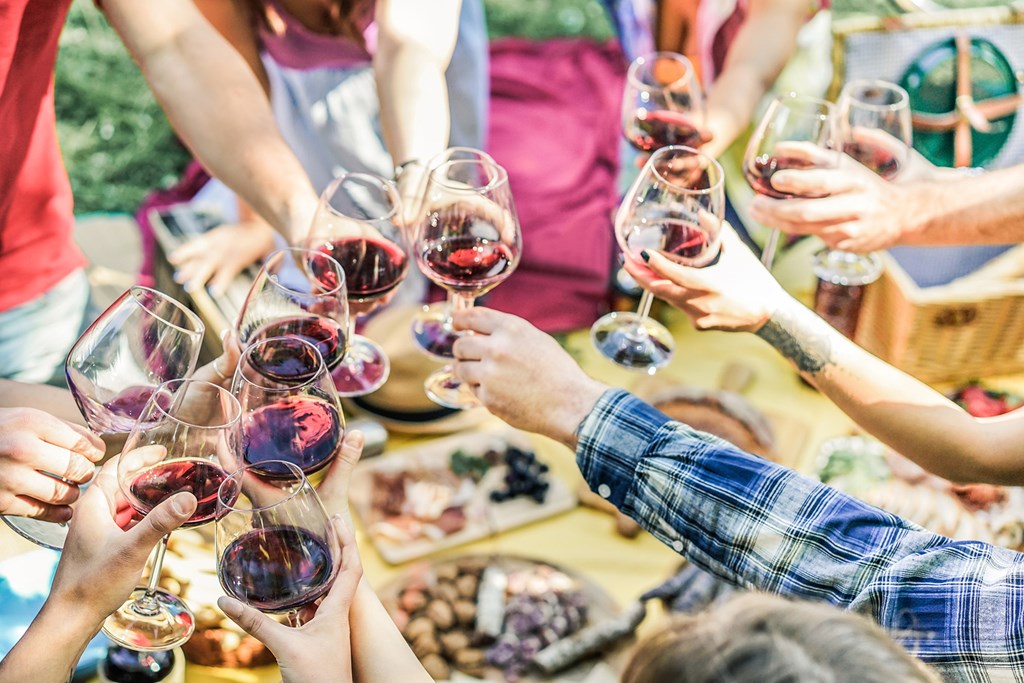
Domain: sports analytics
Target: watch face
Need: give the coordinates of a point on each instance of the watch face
(931, 82)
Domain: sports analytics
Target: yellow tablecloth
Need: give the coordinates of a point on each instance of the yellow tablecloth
(582, 539)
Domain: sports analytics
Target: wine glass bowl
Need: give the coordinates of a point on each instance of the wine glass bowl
(185, 441)
(467, 242)
(875, 125)
(674, 208)
(276, 547)
(358, 223)
(662, 102)
(298, 419)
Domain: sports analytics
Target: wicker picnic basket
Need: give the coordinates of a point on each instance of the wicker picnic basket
(970, 328)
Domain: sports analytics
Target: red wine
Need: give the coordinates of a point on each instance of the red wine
(119, 414)
(303, 430)
(201, 478)
(372, 268)
(876, 157)
(678, 239)
(651, 130)
(296, 362)
(760, 175)
(276, 569)
(467, 264)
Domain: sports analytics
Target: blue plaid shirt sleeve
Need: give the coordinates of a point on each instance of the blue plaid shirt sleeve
(957, 605)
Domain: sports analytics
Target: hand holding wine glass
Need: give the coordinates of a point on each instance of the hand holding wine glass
(674, 208)
(185, 440)
(468, 242)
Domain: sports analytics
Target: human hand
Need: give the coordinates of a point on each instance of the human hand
(333, 489)
(736, 293)
(221, 370)
(522, 375)
(320, 650)
(855, 210)
(220, 254)
(101, 563)
(33, 442)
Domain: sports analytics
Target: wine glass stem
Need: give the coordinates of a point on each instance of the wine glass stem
(462, 302)
(147, 604)
(768, 255)
(644, 308)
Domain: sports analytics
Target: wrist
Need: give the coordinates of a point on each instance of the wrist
(300, 218)
(565, 421)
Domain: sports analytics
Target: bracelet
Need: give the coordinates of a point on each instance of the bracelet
(400, 168)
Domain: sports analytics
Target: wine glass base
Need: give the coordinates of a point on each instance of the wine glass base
(47, 534)
(363, 370)
(447, 390)
(431, 334)
(170, 624)
(633, 342)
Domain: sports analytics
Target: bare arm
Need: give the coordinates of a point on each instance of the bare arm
(217, 106)
(756, 57)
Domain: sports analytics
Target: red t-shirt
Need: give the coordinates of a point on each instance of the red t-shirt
(36, 248)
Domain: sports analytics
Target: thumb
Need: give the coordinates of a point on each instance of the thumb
(684, 276)
(333, 489)
(256, 624)
(161, 520)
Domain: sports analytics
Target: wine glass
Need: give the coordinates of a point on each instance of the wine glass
(291, 411)
(432, 328)
(796, 132)
(143, 339)
(357, 223)
(662, 103)
(674, 207)
(297, 293)
(468, 242)
(276, 547)
(185, 440)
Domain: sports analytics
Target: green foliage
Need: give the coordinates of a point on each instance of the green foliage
(116, 142)
(542, 19)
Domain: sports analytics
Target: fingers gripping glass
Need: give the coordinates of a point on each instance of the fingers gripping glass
(674, 208)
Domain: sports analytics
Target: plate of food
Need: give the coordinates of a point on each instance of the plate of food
(455, 490)
(487, 618)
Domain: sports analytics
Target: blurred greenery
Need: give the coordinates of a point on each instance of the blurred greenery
(116, 142)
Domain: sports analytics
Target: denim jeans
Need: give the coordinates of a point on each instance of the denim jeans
(36, 336)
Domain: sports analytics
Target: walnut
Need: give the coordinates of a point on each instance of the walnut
(472, 565)
(418, 627)
(412, 600)
(440, 612)
(470, 658)
(454, 641)
(465, 612)
(467, 585)
(425, 645)
(446, 591)
(447, 572)
(437, 667)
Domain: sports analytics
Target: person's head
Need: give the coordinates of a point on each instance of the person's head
(758, 638)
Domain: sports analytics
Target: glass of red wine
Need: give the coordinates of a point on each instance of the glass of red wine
(298, 293)
(143, 339)
(276, 546)
(290, 408)
(185, 440)
(796, 132)
(467, 243)
(662, 104)
(432, 328)
(675, 208)
(358, 224)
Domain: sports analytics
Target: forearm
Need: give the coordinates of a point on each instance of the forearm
(217, 106)
(379, 652)
(51, 647)
(906, 414)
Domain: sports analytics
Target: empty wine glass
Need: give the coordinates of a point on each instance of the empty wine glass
(291, 412)
(185, 440)
(357, 222)
(276, 547)
(432, 327)
(141, 340)
(675, 208)
(796, 132)
(662, 103)
(298, 293)
(468, 242)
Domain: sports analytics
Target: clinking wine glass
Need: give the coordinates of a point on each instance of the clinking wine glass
(662, 103)
(276, 546)
(357, 223)
(432, 328)
(297, 293)
(185, 440)
(141, 340)
(291, 412)
(467, 242)
(796, 132)
(675, 208)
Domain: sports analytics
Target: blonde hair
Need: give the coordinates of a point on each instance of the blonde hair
(760, 638)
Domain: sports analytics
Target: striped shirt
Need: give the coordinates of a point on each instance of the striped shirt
(958, 605)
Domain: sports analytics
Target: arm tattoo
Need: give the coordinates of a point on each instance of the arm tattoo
(806, 343)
